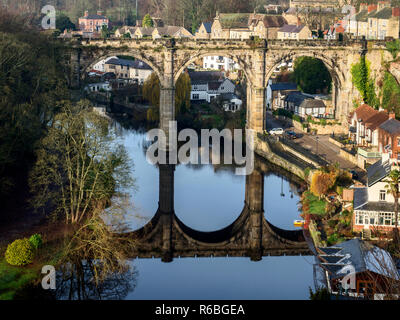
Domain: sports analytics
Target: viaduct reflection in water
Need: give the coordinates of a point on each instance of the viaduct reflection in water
(251, 235)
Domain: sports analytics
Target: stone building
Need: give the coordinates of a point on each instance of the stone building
(129, 69)
(294, 32)
(375, 21)
(204, 31)
(244, 25)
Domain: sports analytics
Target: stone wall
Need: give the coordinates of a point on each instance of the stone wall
(348, 156)
(329, 129)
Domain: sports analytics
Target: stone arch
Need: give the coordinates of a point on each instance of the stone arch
(236, 58)
(336, 73)
(137, 55)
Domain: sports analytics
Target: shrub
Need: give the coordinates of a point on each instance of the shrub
(36, 240)
(20, 252)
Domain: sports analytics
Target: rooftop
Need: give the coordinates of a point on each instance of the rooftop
(283, 86)
(134, 64)
(363, 256)
(377, 172)
(292, 28)
(391, 126)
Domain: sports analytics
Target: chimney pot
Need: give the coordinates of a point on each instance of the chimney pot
(372, 7)
(86, 13)
(392, 115)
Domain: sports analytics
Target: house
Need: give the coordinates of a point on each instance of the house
(230, 102)
(294, 32)
(333, 32)
(121, 32)
(96, 87)
(129, 69)
(389, 137)
(245, 25)
(311, 107)
(220, 63)
(375, 21)
(370, 271)
(99, 66)
(206, 85)
(364, 122)
(373, 205)
(276, 92)
(266, 26)
(293, 100)
(171, 31)
(92, 22)
(204, 31)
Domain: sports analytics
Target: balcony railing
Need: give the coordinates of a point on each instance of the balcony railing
(368, 153)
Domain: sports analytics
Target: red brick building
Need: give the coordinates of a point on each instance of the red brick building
(389, 137)
(92, 22)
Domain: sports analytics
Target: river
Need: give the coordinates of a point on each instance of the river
(206, 199)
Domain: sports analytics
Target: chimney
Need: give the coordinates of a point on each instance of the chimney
(363, 6)
(99, 13)
(372, 7)
(392, 115)
(396, 12)
(86, 13)
(383, 4)
(298, 22)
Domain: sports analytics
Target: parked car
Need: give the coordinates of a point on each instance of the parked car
(291, 134)
(276, 131)
(354, 174)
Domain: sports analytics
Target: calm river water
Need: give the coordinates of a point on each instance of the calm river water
(207, 200)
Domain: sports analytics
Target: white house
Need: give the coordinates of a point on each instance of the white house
(129, 69)
(99, 66)
(230, 102)
(220, 63)
(100, 86)
(374, 205)
(206, 85)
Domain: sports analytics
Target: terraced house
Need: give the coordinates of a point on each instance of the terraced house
(375, 21)
(244, 25)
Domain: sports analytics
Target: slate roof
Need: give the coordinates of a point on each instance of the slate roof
(146, 31)
(228, 96)
(207, 26)
(378, 171)
(234, 20)
(292, 28)
(363, 257)
(312, 103)
(360, 197)
(274, 21)
(283, 86)
(362, 16)
(330, 258)
(93, 17)
(168, 30)
(203, 77)
(385, 13)
(296, 97)
(392, 126)
(134, 64)
(377, 206)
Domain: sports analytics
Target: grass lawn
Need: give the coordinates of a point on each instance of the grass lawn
(13, 278)
(315, 205)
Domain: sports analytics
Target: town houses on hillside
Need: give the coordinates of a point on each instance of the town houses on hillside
(374, 21)
(153, 32)
(241, 26)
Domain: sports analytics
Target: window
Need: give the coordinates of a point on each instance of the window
(196, 96)
(382, 195)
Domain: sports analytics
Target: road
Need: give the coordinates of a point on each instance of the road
(318, 144)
